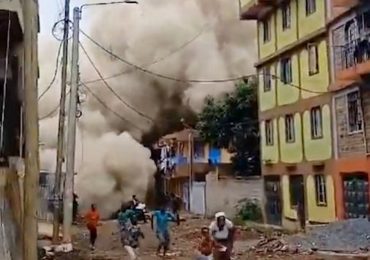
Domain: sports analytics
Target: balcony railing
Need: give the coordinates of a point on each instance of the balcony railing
(353, 53)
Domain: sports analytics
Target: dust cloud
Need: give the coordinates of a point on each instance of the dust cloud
(193, 39)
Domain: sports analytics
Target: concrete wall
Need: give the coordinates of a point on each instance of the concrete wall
(270, 153)
(291, 152)
(225, 194)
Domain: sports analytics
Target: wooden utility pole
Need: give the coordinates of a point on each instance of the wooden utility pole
(31, 180)
(58, 171)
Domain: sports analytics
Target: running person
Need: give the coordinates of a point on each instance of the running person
(162, 219)
(92, 218)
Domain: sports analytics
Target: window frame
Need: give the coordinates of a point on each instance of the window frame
(289, 128)
(286, 75)
(267, 83)
(317, 65)
(266, 30)
(286, 16)
(316, 134)
(269, 132)
(360, 115)
(321, 191)
(310, 7)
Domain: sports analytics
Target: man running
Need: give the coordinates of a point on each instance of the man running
(92, 218)
(162, 219)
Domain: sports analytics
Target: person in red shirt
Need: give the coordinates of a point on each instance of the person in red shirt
(92, 219)
(206, 245)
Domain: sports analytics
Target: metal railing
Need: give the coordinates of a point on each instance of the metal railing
(353, 52)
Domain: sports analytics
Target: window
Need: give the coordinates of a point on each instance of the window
(313, 59)
(354, 112)
(266, 30)
(286, 70)
(310, 6)
(316, 123)
(266, 79)
(198, 150)
(269, 132)
(286, 16)
(320, 186)
(289, 129)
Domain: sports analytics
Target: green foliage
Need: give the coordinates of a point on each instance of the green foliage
(232, 123)
(250, 210)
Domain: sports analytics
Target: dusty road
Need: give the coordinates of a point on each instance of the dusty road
(184, 241)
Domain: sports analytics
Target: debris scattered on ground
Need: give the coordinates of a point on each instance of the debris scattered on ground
(348, 236)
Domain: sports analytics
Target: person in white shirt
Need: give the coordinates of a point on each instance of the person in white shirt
(222, 233)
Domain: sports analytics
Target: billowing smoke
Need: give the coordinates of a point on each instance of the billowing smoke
(184, 40)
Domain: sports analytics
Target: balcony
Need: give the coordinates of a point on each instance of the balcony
(352, 50)
(256, 9)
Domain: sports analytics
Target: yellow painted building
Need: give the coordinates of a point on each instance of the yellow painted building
(294, 108)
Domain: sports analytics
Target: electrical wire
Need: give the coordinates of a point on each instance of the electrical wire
(55, 72)
(174, 51)
(109, 109)
(158, 74)
(53, 111)
(189, 80)
(5, 84)
(111, 89)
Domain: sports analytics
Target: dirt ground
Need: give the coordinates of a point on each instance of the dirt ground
(184, 241)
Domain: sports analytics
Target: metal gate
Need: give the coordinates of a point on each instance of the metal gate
(273, 207)
(356, 195)
(198, 198)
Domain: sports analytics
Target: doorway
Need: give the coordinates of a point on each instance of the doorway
(297, 197)
(273, 203)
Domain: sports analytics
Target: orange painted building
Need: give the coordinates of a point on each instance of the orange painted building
(349, 34)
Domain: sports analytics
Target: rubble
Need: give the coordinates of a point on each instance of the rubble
(348, 236)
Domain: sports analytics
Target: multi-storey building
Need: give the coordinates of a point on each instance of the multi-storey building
(294, 110)
(185, 159)
(349, 34)
(12, 77)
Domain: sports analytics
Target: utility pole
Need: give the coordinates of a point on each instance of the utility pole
(71, 138)
(58, 171)
(31, 181)
(191, 159)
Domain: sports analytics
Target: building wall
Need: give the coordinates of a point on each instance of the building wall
(291, 152)
(318, 82)
(269, 47)
(320, 214)
(267, 99)
(270, 153)
(288, 36)
(348, 144)
(313, 22)
(318, 149)
(229, 192)
(287, 93)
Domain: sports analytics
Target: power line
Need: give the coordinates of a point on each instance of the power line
(189, 80)
(174, 51)
(157, 74)
(53, 111)
(55, 72)
(111, 89)
(108, 108)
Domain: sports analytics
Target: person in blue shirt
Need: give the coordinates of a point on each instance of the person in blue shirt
(162, 219)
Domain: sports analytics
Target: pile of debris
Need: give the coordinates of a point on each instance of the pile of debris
(273, 245)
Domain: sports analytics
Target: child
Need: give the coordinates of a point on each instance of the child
(131, 243)
(205, 246)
